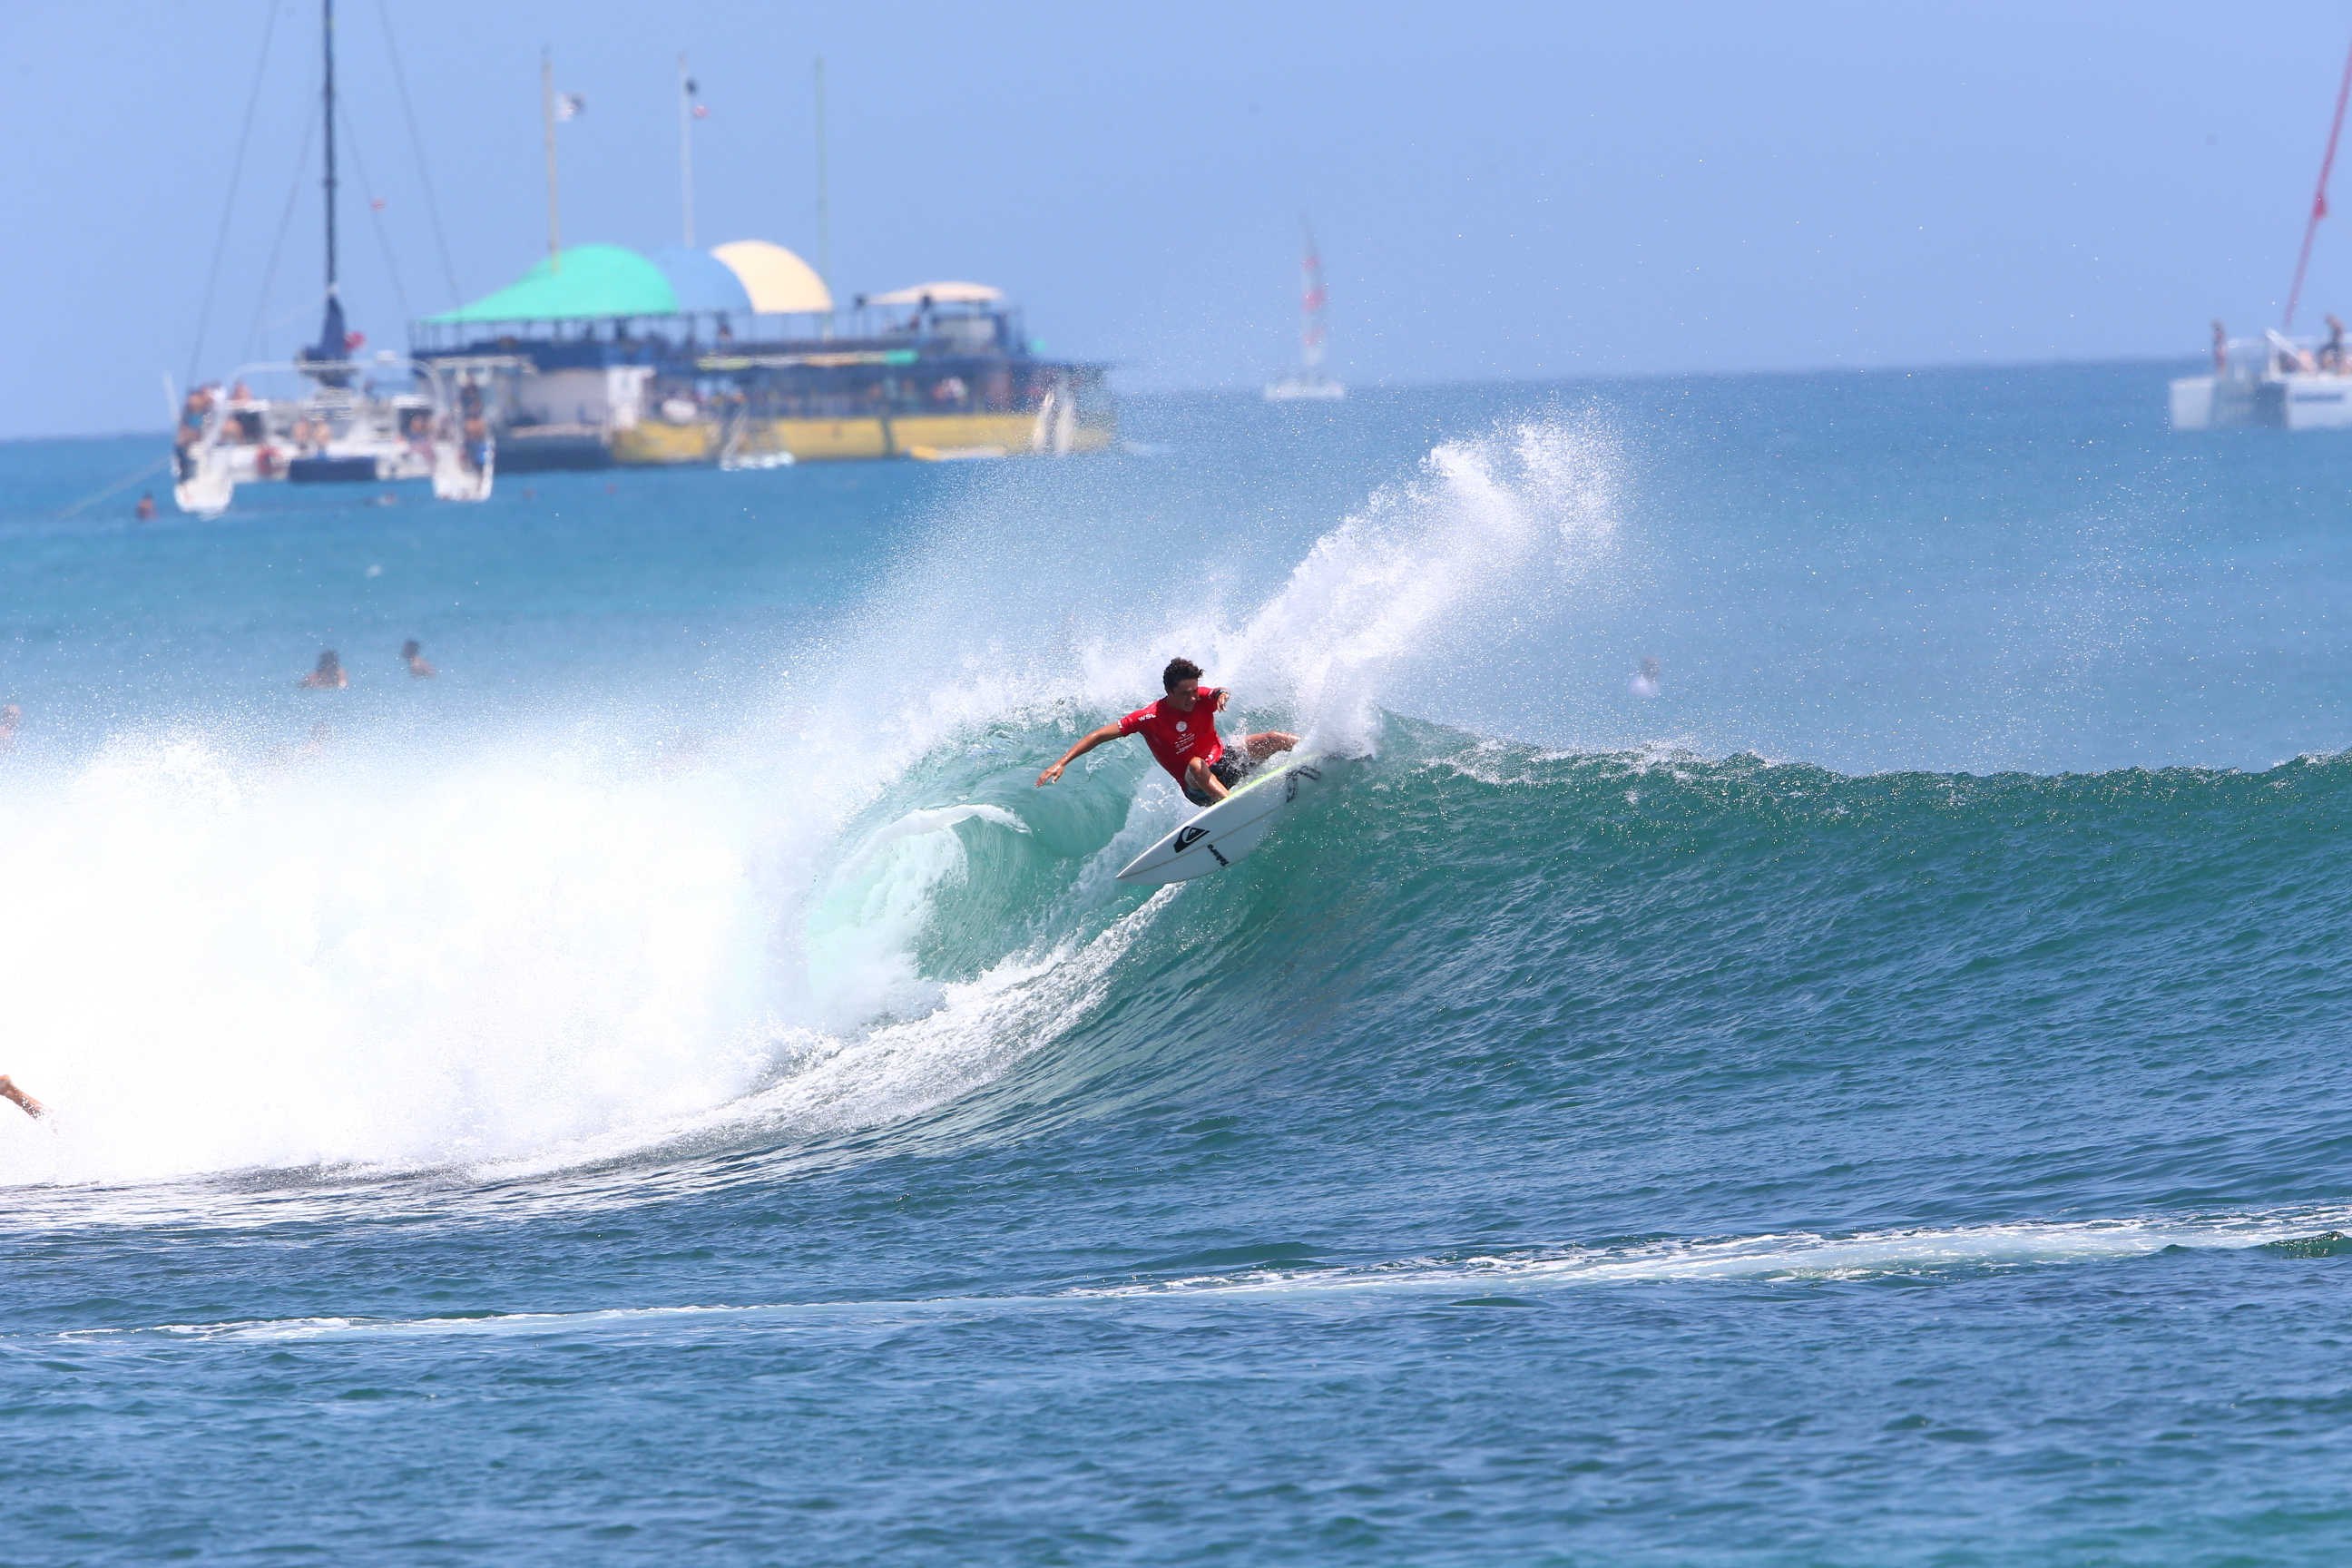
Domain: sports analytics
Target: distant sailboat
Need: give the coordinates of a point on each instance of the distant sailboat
(1310, 381)
(2275, 380)
(342, 430)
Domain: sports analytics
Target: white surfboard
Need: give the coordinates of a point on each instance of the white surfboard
(1223, 832)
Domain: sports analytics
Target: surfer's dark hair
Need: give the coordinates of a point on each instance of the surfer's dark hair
(1178, 670)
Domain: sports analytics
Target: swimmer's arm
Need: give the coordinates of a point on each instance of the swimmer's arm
(1086, 745)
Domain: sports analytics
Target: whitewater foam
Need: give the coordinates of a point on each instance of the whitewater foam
(1774, 1258)
(506, 953)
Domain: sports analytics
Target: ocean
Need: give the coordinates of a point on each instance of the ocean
(672, 1088)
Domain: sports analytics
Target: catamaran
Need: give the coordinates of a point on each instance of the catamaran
(2278, 380)
(340, 427)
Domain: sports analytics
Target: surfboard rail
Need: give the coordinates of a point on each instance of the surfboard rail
(1220, 835)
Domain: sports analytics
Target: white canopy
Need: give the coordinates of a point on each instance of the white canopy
(940, 294)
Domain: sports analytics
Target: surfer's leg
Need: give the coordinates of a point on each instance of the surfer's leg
(8, 1091)
(1266, 743)
(1198, 781)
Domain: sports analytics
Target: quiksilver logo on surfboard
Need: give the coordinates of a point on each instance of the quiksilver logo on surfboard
(1190, 836)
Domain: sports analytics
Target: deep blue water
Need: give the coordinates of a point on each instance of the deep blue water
(671, 1088)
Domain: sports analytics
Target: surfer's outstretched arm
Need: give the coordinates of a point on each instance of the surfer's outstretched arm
(1086, 745)
(8, 1091)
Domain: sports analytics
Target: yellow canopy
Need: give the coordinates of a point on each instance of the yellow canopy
(779, 282)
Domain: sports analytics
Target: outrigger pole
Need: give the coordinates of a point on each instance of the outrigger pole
(2319, 198)
(824, 198)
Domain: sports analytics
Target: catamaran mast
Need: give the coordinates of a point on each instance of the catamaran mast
(2319, 198)
(332, 347)
(327, 36)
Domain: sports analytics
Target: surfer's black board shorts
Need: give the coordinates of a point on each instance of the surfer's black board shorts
(1226, 772)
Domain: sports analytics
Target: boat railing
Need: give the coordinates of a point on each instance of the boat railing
(335, 406)
(2246, 361)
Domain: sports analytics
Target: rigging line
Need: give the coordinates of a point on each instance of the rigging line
(235, 178)
(117, 487)
(285, 221)
(310, 304)
(2319, 198)
(375, 216)
(416, 145)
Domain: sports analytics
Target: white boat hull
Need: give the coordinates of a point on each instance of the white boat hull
(2295, 400)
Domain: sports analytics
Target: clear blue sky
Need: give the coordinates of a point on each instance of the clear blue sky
(1502, 190)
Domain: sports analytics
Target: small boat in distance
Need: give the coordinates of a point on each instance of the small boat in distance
(1309, 382)
(2275, 380)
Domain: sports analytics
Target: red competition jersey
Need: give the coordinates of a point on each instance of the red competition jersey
(1175, 738)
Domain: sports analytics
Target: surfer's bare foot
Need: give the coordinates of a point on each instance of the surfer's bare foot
(8, 1091)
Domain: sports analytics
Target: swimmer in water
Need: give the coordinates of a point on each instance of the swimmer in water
(1646, 684)
(418, 665)
(328, 675)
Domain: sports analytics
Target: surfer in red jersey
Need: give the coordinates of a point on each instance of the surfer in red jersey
(1181, 730)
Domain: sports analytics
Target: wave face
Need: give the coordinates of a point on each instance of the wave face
(548, 948)
(747, 1079)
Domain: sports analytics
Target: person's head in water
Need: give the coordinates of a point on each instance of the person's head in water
(1181, 680)
(411, 648)
(330, 663)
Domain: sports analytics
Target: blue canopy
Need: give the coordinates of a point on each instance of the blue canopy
(700, 280)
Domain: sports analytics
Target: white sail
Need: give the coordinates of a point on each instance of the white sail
(1309, 382)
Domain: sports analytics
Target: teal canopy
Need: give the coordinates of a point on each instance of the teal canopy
(594, 280)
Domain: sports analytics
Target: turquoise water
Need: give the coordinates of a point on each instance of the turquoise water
(671, 1088)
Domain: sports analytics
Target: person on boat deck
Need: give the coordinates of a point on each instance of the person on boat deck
(328, 675)
(191, 418)
(2221, 349)
(1181, 730)
(2331, 356)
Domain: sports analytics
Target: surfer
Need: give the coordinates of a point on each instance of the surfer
(1181, 730)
